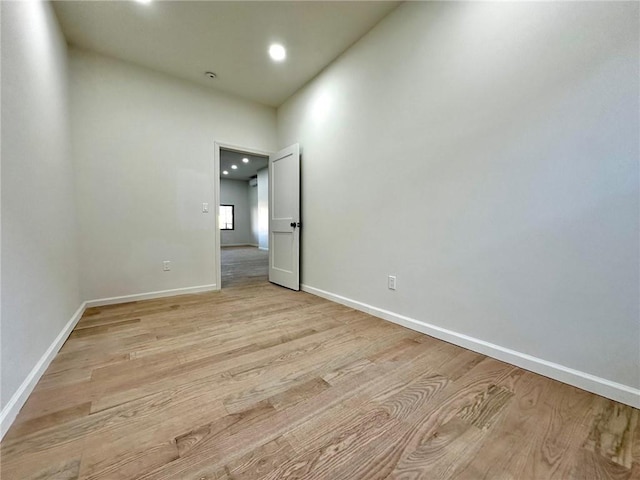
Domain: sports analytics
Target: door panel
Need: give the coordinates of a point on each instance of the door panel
(284, 217)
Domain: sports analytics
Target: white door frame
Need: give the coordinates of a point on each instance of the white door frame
(216, 198)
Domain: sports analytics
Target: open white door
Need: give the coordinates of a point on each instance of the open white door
(284, 217)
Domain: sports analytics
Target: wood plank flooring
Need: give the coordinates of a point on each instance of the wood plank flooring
(259, 382)
(243, 266)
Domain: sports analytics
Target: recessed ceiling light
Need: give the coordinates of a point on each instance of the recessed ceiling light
(234, 167)
(245, 160)
(224, 172)
(146, 2)
(210, 75)
(277, 52)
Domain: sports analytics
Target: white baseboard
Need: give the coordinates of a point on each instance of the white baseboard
(600, 386)
(17, 401)
(99, 302)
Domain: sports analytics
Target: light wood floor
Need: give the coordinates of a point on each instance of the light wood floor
(259, 382)
(243, 266)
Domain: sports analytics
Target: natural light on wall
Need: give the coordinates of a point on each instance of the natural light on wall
(36, 13)
(320, 107)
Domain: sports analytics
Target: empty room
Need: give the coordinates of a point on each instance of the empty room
(244, 217)
(320, 240)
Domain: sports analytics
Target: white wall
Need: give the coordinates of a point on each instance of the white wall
(40, 291)
(487, 155)
(263, 209)
(253, 213)
(236, 193)
(143, 148)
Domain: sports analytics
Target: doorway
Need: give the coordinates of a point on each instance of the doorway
(242, 215)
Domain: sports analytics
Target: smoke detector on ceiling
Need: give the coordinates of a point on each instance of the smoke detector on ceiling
(210, 75)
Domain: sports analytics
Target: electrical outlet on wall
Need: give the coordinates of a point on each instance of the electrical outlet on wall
(166, 265)
(392, 282)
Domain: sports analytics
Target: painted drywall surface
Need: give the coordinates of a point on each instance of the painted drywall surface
(236, 193)
(263, 209)
(253, 213)
(487, 155)
(143, 148)
(40, 291)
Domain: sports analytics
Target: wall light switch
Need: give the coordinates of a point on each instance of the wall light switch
(205, 208)
(392, 282)
(166, 265)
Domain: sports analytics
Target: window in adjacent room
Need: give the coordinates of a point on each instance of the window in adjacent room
(226, 217)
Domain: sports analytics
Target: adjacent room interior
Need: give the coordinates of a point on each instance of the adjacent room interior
(244, 217)
(464, 232)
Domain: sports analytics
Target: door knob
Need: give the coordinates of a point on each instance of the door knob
(295, 224)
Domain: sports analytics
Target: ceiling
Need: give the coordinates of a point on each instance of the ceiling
(245, 170)
(188, 38)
